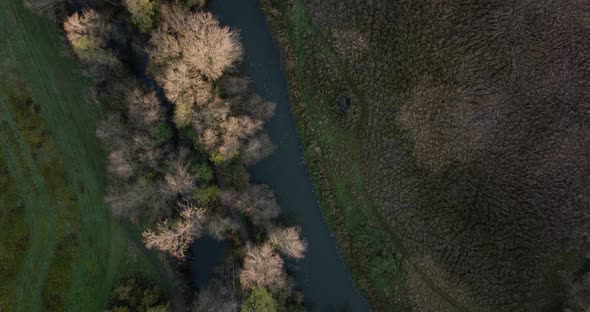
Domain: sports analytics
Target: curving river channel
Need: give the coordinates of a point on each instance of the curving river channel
(322, 275)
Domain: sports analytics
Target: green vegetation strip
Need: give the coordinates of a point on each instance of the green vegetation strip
(77, 271)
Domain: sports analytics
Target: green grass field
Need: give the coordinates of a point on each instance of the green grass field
(67, 252)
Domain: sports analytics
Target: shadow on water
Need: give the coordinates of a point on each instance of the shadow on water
(206, 253)
(322, 276)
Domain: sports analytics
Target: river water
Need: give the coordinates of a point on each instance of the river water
(322, 276)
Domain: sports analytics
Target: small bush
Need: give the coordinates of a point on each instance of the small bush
(259, 300)
(205, 173)
(162, 132)
(207, 196)
(143, 13)
(198, 3)
(137, 293)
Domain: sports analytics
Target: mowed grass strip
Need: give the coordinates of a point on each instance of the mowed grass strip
(39, 211)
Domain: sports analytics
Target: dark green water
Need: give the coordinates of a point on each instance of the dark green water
(322, 275)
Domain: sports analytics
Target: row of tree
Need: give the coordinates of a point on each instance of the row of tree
(165, 174)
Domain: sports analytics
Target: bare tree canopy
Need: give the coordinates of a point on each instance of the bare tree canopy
(175, 238)
(288, 241)
(263, 267)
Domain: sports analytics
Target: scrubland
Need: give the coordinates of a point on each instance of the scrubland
(457, 180)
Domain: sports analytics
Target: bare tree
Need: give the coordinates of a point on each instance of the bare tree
(145, 109)
(133, 200)
(184, 84)
(218, 227)
(111, 131)
(195, 39)
(85, 33)
(175, 239)
(223, 293)
(146, 149)
(263, 267)
(234, 86)
(256, 149)
(241, 127)
(258, 108)
(256, 201)
(180, 178)
(124, 202)
(121, 164)
(288, 241)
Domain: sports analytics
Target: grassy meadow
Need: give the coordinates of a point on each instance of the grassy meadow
(59, 247)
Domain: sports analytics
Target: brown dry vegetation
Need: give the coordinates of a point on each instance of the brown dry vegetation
(471, 122)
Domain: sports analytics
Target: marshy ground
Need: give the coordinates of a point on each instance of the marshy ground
(457, 180)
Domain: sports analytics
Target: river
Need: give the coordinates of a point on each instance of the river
(322, 276)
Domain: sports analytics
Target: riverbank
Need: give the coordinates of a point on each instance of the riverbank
(322, 275)
(332, 153)
(437, 128)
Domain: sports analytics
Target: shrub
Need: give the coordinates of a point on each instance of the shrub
(137, 293)
(143, 13)
(205, 172)
(192, 3)
(259, 300)
(207, 196)
(162, 132)
(183, 114)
